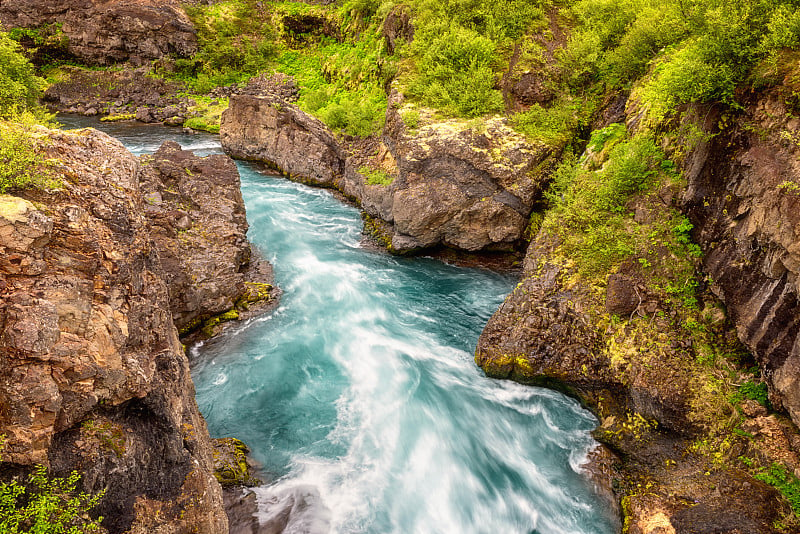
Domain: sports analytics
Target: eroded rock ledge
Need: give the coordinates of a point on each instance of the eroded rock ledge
(94, 377)
(451, 185)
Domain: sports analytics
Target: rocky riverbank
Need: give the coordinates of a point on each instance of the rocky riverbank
(433, 184)
(94, 375)
(645, 374)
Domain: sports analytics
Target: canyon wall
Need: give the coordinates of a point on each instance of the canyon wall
(94, 276)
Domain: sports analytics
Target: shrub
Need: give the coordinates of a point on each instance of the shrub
(454, 73)
(552, 125)
(20, 88)
(46, 505)
(20, 165)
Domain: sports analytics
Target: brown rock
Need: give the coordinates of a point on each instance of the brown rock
(453, 186)
(93, 376)
(746, 211)
(110, 31)
(622, 297)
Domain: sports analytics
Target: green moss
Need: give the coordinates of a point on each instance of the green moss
(231, 467)
(379, 231)
(108, 434)
(118, 117)
(209, 325)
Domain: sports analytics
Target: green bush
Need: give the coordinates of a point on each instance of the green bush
(20, 164)
(553, 125)
(20, 88)
(455, 73)
(46, 505)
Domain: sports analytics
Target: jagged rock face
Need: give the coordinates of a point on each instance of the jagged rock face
(104, 32)
(199, 226)
(398, 27)
(744, 199)
(454, 187)
(93, 375)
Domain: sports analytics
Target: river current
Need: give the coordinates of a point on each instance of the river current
(359, 394)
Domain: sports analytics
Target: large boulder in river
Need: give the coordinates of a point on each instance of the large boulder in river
(269, 129)
(464, 185)
(449, 183)
(104, 32)
(92, 374)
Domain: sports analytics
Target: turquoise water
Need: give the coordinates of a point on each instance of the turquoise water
(359, 394)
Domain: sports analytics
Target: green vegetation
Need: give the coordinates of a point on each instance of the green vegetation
(20, 88)
(21, 165)
(209, 113)
(46, 505)
(341, 69)
(457, 51)
(787, 483)
(376, 176)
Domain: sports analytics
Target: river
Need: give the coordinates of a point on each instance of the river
(359, 394)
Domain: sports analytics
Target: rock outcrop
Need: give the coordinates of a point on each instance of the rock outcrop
(198, 223)
(554, 332)
(451, 185)
(642, 373)
(105, 32)
(94, 377)
(743, 196)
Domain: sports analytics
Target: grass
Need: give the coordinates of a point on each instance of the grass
(209, 113)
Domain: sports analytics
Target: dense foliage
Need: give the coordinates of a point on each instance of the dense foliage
(20, 88)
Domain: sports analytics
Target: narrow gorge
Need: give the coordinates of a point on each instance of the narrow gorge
(476, 267)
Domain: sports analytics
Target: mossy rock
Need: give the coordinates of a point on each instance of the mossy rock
(231, 465)
(119, 117)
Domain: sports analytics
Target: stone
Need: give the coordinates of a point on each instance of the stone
(451, 186)
(109, 32)
(200, 232)
(622, 297)
(747, 221)
(92, 375)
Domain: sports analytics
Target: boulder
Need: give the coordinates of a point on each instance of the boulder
(199, 226)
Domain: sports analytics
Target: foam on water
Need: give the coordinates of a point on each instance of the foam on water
(359, 394)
